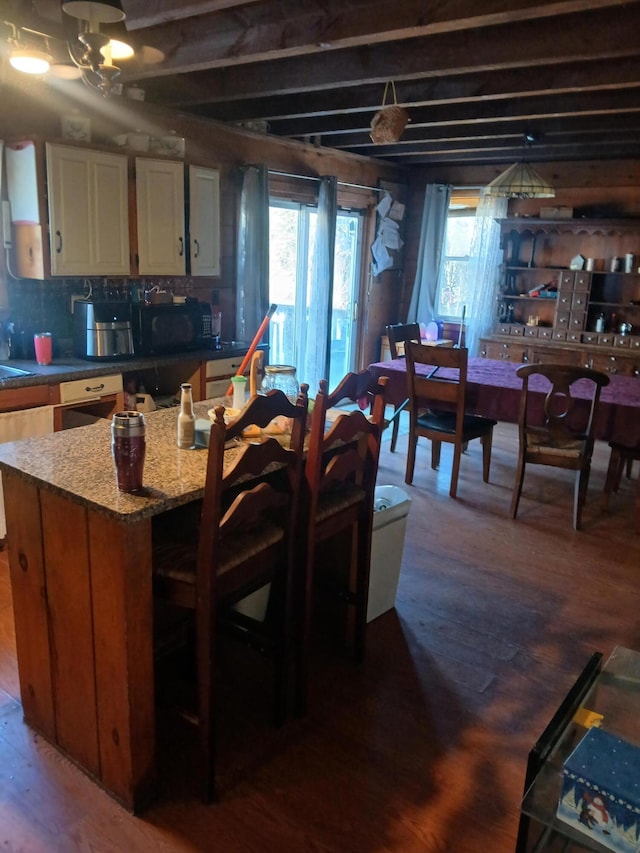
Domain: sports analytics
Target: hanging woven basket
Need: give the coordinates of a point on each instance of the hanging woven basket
(388, 124)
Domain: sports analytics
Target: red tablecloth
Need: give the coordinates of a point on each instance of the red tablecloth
(493, 390)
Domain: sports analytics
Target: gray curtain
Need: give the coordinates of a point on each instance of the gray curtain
(252, 265)
(432, 234)
(313, 362)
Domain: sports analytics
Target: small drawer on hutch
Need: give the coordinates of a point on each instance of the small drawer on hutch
(622, 341)
(634, 342)
(566, 280)
(559, 335)
(565, 300)
(608, 363)
(518, 331)
(582, 281)
(504, 329)
(579, 301)
(562, 318)
(531, 331)
(577, 320)
(590, 338)
(605, 340)
(545, 332)
(574, 337)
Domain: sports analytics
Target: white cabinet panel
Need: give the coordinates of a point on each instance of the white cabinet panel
(88, 211)
(160, 217)
(204, 220)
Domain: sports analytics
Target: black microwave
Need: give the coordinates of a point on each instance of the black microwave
(171, 327)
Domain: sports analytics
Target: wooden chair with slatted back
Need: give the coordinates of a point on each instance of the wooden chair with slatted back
(340, 477)
(400, 333)
(428, 384)
(246, 539)
(560, 436)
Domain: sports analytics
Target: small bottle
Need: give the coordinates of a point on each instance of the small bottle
(186, 419)
(600, 323)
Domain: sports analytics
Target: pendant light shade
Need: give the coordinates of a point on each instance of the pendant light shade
(98, 11)
(520, 181)
(30, 61)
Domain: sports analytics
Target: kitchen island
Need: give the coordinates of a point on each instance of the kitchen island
(80, 564)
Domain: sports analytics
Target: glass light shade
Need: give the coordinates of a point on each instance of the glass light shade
(100, 11)
(120, 49)
(520, 181)
(30, 61)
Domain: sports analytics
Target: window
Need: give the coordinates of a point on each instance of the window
(452, 289)
(292, 228)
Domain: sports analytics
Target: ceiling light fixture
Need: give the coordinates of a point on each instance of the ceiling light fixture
(25, 56)
(93, 51)
(520, 180)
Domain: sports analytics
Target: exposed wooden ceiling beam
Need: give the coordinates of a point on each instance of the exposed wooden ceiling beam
(472, 75)
(516, 110)
(590, 37)
(149, 13)
(487, 85)
(289, 28)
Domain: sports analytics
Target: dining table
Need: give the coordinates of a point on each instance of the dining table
(494, 391)
(80, 562)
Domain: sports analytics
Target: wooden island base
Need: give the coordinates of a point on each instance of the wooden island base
(81, 585)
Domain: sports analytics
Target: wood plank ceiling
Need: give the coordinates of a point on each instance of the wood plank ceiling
(473, 76)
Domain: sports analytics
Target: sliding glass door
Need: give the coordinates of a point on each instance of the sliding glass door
(292, 232)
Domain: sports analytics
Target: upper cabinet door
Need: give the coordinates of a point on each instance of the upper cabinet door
(88, 211)
(160, 217)
(204, 220)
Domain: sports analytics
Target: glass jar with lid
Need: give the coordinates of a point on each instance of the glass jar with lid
(282, 376)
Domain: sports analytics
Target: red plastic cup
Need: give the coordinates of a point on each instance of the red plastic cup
(44, 347)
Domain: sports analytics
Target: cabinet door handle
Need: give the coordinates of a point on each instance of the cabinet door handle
(58, 242)
(197, 245)
(181, 244)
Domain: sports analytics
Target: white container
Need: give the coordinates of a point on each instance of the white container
(391, 505)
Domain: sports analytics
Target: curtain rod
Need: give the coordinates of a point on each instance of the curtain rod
(314, 178)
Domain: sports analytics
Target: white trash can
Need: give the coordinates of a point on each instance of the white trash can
(391, 507)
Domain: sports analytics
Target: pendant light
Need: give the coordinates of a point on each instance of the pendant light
(520, 180)
(98, 11)
(93, 51)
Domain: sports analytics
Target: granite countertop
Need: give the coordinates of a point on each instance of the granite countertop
(78, 464)
(64, 369)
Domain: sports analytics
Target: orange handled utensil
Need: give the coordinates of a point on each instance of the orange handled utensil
(254, 344)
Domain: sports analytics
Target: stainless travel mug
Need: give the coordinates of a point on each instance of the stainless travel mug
(128, 445)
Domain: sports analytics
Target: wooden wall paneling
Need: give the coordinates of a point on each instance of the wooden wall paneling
(64, 529)
(29, 591)
(123, 635)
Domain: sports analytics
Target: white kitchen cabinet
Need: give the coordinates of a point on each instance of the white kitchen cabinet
(160, 217)
(204, 221)
(88, 211)
(218, 373)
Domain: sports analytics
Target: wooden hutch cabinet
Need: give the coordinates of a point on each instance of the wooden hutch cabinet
(570, 293)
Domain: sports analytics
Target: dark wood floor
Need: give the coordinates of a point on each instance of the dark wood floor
(423, 749)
